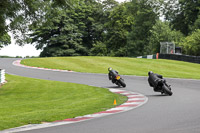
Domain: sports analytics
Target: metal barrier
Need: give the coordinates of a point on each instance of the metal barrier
(187, 58)
(179, 57)
(2, 76)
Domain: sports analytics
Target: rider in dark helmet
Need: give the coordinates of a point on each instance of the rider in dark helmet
(111, 75)
(155, 80)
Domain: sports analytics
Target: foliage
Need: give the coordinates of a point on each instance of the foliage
(191, 44)
(59, 36)
(117, 28)
(95, 27)
(17, 15)
(184, 15)
(106, 28)
(98, 49)
(6, 56)
(5, 39)
(69, 32)
(161, 32)
(144, 20)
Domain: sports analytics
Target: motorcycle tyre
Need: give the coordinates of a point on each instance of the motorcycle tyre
(121, 81)
(167, 90)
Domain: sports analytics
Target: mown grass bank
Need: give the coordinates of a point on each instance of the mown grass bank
(126, 66)
(27, 101)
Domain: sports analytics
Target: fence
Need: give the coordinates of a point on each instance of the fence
(167, 48)
(154, 56)
(2, 76)
(179, 57)
(187, 58)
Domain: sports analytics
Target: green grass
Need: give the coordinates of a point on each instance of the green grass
(27, 101)
(126, 66)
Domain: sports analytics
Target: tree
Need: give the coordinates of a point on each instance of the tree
(144, 19)
(92, 19)
(58, 36)
(101, 28)
(17, 15)
(191, 44)
(184, 15)
(4, 40)
(162, 32)
(99, 49)
(117, 29)
(70, 31)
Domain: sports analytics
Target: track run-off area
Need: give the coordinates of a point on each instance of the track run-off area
(178, 113)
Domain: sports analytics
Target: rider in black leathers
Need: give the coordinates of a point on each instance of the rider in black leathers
(111, 75)
(155, 80)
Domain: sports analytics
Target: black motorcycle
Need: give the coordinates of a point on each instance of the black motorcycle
(163, 87)
(117, 79)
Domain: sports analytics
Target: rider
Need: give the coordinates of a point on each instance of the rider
(112, 73)
(155, 80)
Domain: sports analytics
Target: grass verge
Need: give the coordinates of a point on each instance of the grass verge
(28, 101)
(126, 66)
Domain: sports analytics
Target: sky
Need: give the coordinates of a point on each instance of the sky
(26, 50)
(15, 50)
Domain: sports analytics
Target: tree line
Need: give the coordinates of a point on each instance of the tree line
(101, 28)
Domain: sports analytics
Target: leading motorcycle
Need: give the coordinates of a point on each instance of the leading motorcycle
(118, 80)
(114, 76)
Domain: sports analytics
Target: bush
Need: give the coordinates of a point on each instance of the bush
(191, 44)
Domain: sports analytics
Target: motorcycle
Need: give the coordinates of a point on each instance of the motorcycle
(119, 81)
(164, 88)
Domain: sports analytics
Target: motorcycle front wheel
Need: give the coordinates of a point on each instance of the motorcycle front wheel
(121, 81)
(167, 90)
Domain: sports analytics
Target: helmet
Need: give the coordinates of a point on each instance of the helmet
(150, 72)
(109, 69)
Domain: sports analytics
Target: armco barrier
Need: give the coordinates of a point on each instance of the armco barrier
(187, 58)
(2, 76)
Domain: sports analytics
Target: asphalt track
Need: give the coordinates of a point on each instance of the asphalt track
(179, 113)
